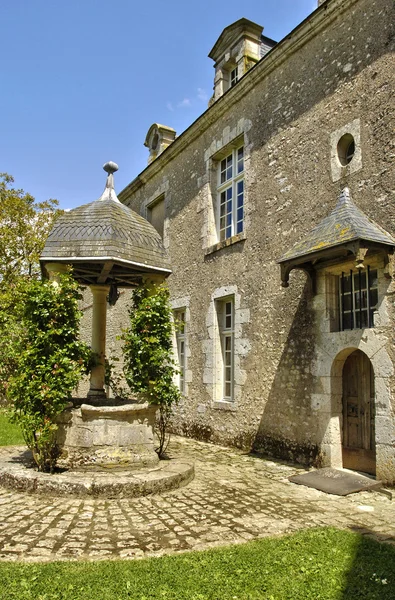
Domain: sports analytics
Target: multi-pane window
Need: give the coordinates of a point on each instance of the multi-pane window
(225, 310)
(358, 298)
(233, 78)
(179, 320)
(230, 190)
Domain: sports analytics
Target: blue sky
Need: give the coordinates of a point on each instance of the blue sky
(83, 80)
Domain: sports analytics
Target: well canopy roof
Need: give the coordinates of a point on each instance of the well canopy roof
(106, 234)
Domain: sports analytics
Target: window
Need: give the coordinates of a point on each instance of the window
(358, 297)
(233, 78)
(225, 314)
(230, 195)
(179, 320)
(156, 214)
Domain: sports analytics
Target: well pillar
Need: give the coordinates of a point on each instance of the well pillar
(99, 319)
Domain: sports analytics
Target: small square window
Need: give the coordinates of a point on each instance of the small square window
(233, 77)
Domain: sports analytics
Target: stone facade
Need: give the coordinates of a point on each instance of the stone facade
(333, 75)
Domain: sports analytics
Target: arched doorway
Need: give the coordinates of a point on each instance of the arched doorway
(359, 448)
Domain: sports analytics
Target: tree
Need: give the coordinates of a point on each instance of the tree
(149, 366)
(24, 227)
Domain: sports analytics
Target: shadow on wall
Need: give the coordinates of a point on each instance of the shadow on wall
(287, 424)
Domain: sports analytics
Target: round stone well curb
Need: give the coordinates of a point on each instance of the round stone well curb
(17, 473)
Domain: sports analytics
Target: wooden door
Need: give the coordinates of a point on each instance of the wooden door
(359, 450)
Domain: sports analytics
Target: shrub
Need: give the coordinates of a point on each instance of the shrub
(50, 365)
(149, 365)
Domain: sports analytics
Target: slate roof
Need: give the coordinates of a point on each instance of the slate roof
(346, 223)
(106, 229)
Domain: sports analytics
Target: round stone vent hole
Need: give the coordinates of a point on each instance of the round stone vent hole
(346, 149)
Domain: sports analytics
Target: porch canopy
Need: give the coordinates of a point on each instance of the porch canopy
(108, 246)
(346, 232)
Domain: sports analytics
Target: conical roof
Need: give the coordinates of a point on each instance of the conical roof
(346, 223)
(106, 231)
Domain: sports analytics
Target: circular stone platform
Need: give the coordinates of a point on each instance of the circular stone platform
(17, 473)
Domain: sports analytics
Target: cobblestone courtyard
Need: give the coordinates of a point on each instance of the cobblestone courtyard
(233, 498)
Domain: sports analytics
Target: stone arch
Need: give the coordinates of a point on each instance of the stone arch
(383, 369)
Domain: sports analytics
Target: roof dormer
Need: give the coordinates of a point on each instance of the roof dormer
(158, 138)
(239, 47)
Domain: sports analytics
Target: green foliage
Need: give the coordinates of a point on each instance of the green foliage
(12, 334)
(24, 227)
(51, 362)
(319, 564)
(10, 433)
(115, 380)
(149, 366)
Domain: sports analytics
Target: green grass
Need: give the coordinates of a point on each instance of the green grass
(10, 434)
(320, 564)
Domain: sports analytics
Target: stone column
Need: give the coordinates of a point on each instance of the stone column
(99, 318)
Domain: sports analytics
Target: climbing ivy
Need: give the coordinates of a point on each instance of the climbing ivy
(50, 365)
(149, 365)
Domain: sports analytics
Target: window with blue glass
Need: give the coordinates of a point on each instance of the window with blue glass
(230, 194)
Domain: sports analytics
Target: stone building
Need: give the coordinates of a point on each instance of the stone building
(277, 209)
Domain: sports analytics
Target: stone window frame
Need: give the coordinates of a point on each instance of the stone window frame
(231, 138)
(339, 170)
(177, 305)
(161, 193)
(213, 375)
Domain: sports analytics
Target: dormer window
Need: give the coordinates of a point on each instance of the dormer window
(233, 79)
(158, 138)
(239, 47)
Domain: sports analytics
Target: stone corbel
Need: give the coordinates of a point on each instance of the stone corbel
(360, 257)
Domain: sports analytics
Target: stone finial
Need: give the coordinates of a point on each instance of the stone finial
(109, 191)
(110, 167)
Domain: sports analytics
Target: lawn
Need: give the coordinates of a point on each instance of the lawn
(10, 434)
(319, 564)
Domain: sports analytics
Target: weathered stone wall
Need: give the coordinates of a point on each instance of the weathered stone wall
(331, 72)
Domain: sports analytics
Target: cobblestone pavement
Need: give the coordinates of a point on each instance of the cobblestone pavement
(233, 498)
